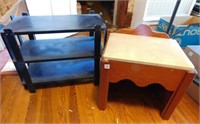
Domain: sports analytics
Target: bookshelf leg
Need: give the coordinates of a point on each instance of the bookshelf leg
(31, 89)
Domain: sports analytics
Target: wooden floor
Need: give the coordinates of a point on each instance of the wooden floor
(127, 103)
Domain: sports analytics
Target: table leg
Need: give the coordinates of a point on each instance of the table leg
(31, 36)
(97, 44)
(177, 95)
(91, 33)
(16, 55)
(103, 87)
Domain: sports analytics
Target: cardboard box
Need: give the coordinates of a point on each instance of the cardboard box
(188, 37)
(193, 53)
(193, 91)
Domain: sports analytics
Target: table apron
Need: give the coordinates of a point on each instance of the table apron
(144, 75)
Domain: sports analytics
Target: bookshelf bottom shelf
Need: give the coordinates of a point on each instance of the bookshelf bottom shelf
(55, 71)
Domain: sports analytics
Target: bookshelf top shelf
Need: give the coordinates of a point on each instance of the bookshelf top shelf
(54, 24)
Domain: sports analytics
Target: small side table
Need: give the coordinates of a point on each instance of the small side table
(145, 60)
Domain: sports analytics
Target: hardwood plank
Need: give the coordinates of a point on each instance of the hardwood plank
(60, 104)
(19, 113)
(127, 103)
(11, 112)
(34, 108)
(86, 106)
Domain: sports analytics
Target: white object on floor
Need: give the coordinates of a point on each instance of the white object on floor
(9, 68)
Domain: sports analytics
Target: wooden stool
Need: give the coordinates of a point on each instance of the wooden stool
(145, 60)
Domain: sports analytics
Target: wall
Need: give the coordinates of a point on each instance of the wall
(5, 5)
(150, 11)
(7, 8)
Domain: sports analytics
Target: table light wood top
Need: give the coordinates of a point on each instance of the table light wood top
(146, 50)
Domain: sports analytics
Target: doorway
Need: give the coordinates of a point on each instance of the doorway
(106, 8)
(118, 13)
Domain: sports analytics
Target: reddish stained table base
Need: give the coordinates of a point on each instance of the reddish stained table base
(172, 79)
